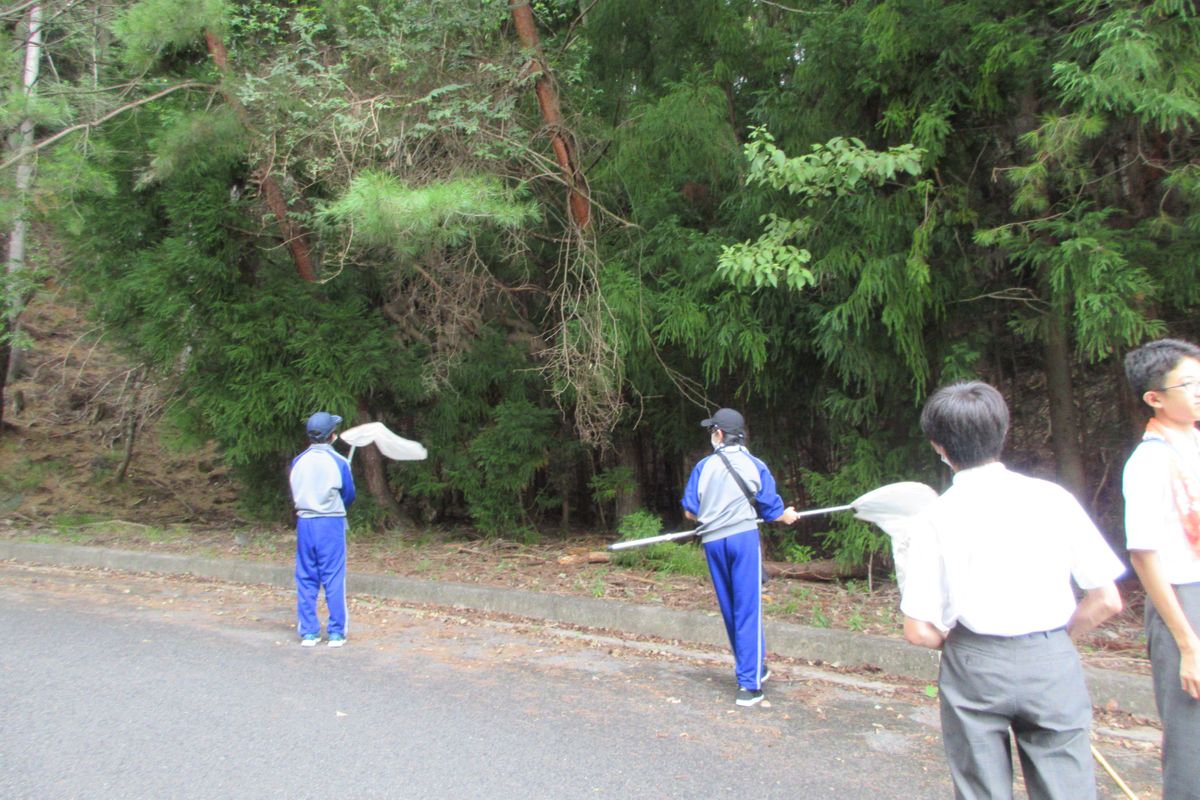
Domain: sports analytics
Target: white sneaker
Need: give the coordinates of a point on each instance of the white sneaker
(310, 639)
(337, 639)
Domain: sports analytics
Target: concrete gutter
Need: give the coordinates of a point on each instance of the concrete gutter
(1109, 689)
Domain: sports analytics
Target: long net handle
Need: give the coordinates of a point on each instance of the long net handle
(1112, 773)
(830, 510)
(662, 537)
(666, 537)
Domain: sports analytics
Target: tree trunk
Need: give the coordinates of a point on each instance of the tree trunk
(293, 237)
(131, 431)
(22, 143)
(1064, 426)
(376, 477)
(4, 358)
(629, 500)
(547, 95)
(822, 570)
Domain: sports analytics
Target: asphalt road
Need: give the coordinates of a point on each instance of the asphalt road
(115, 685)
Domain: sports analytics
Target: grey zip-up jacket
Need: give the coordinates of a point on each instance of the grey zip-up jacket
(719, 504)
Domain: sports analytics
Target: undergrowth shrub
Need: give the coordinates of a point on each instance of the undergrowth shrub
(677, 558)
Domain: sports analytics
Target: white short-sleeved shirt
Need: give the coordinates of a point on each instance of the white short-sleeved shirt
(1151, 521)
(998, 553)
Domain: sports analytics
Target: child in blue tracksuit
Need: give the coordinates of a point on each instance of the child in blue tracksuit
(322, 490)
(729, 533)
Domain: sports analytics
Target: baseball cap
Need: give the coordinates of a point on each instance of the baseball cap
(321, 424)
(726, 419)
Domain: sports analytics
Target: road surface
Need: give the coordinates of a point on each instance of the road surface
(116, 685)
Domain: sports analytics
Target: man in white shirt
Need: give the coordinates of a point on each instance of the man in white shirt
(993, 567)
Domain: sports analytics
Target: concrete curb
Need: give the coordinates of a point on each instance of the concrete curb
(1131, 693)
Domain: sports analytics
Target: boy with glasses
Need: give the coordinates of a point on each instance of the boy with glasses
(1162, 529)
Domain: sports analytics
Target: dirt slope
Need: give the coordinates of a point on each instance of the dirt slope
(68, 421)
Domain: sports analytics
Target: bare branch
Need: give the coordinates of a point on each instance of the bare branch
(792, 10)
(96, 122)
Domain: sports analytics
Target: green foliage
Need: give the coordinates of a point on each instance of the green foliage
(1134, 59)
(196, 140)
(640, 524)
(668, 557)
(383, 211)
(16, 106)
(798, 553)
(366, 514)
(505, 456)
(609, 484)
(864, 464)
(149, 28)
(27, 475)
(677, 155)
(939, 178)
(1083, 263)
(840, 167)
(892, 288)
(770, 260)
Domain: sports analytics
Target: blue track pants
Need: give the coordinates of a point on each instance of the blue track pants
(320, 561)
(735, 563)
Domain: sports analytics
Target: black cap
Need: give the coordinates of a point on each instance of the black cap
(726, 419)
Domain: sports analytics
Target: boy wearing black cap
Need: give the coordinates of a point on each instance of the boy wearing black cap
(718, 497)
(322, 490)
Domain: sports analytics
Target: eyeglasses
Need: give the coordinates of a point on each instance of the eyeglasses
(1192, 386)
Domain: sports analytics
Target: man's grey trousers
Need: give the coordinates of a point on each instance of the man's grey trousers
(1031, 684)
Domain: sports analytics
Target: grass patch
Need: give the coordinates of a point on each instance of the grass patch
(675, 559)
(789, 608)
(669, 557)
(25, 474)
(75, 521)
(54, 538)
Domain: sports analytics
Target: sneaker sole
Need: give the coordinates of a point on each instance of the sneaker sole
(309, 643)
(750, 701)
(336, 642)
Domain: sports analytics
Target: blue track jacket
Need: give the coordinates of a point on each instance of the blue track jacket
(322, 485)
(719, 504)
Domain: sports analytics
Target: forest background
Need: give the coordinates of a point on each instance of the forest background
(547, 239)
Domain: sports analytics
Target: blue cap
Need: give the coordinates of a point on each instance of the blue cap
(321, 424)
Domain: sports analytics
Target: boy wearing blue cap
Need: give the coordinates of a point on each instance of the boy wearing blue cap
(322, 490)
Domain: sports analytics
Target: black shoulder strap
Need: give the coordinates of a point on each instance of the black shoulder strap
(740, 482)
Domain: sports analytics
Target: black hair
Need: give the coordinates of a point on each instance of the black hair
(969, 420)
(1146, 367)
(733, 438)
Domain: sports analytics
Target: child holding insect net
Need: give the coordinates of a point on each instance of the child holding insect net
(322, 489)
(729, 493)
